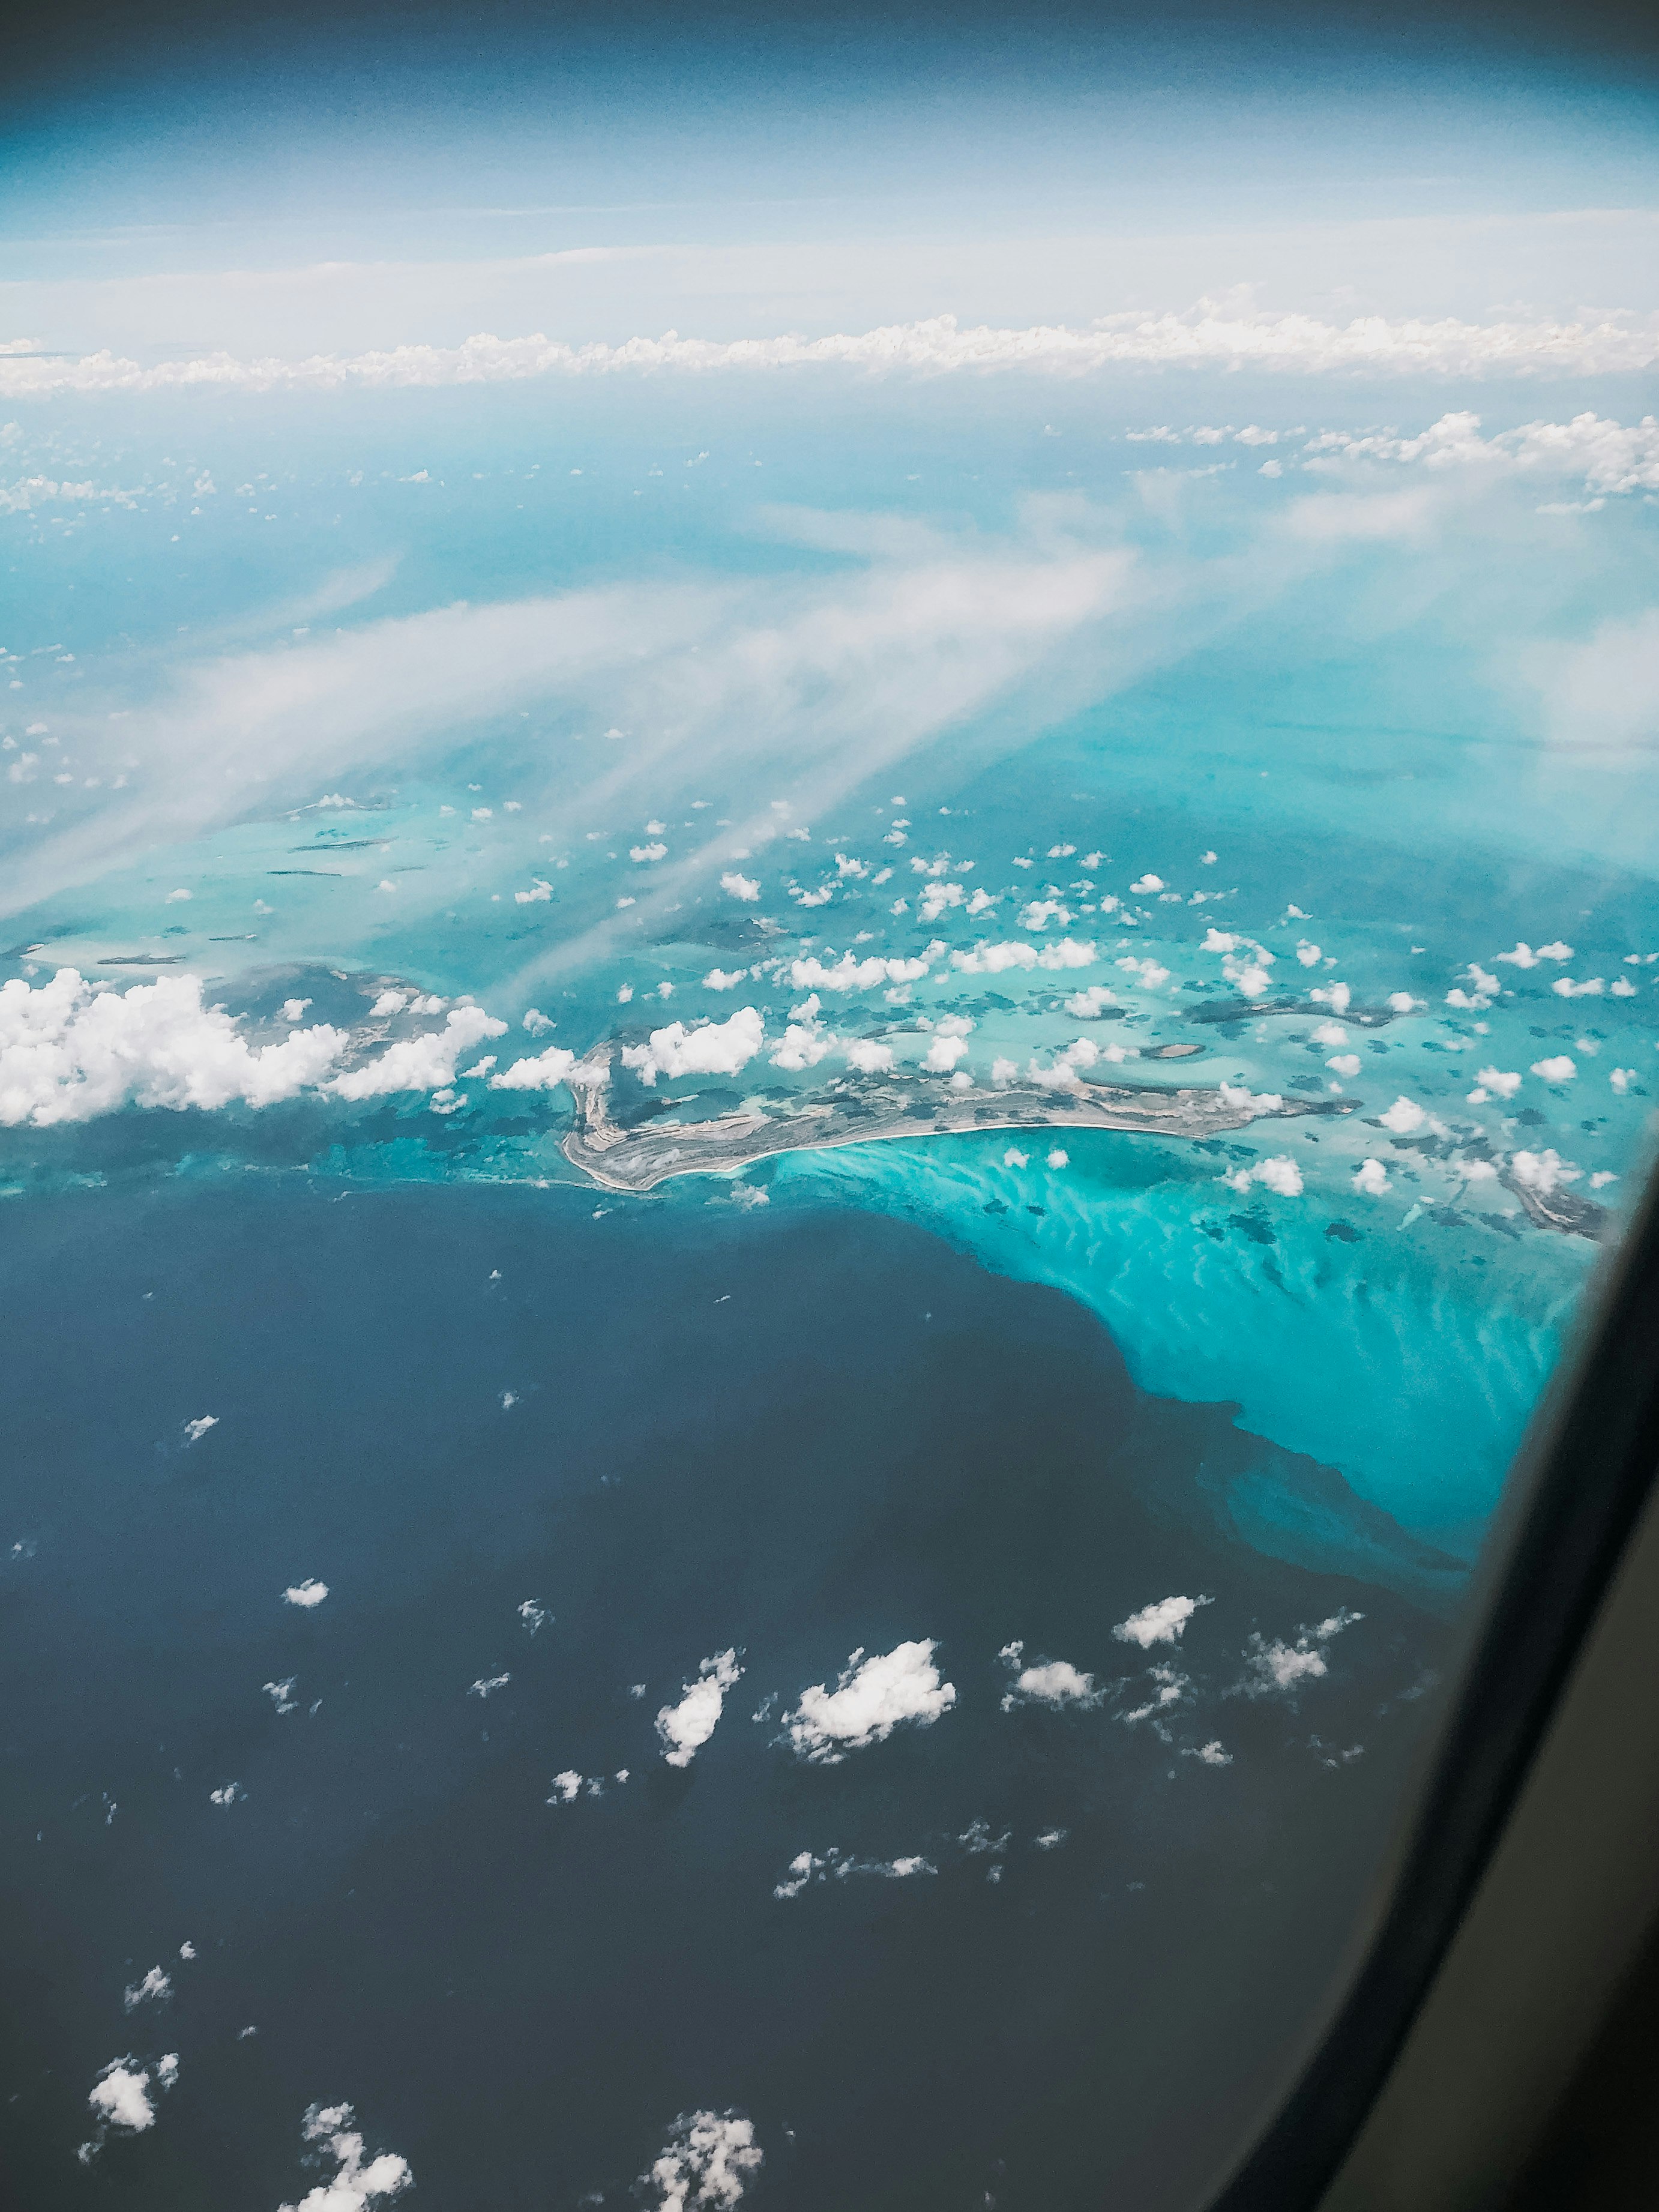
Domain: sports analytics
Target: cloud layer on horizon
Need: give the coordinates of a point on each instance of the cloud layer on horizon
(1210, 335)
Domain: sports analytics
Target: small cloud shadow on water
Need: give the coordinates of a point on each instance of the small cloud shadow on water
(667, 1788)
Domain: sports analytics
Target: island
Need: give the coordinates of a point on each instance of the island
(863, 1109)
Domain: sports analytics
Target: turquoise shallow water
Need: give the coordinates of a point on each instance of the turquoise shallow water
(1412, 1375)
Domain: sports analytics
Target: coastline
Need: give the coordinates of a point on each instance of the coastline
(872, 1109)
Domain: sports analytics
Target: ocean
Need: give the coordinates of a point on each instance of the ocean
(671, 1428)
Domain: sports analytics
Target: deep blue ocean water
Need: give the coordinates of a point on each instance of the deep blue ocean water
(793, 1432)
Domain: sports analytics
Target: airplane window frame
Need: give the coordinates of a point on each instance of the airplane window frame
(1572, 1516)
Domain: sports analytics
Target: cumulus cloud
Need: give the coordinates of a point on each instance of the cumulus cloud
(308, 1593)
(707, 2162)
(1280, 1666)
(943, 1053)
(1204, 336)
(1605, 457)
(1403, 1117)
(849, 974)
(542, 1071)
(121, 2095)
(1280, 1174)
(808, 1867)
(1560, 1067)
(995, 959)
(1543, 1172)
(1494, 1083)
(1371, 1178)
(1168, 1688)
(686, 1727)
(69, 1052)
(152, 1989)
(1210, 1753)
(1052, 1682)
(739, 887)
(870, 1699)
(870, 1058)
(357, 2182)
(706, 1049)
(426, 1062)
(1163, 1622)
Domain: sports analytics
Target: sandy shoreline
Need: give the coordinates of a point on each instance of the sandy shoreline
(866, 1111)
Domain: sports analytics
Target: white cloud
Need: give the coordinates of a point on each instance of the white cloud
(1564, 987)
(121, 2094)
(426, 1062)
(1058, 1157)
(1559, 1068)
(308, 1593)
(870, 1058)
(707, 2162)
(196, 1429)
(648, 853)
(709, 1048)
(1168, 1688)
(994, 959)
(1210, 1753)
(685, 1727)
(1088, 1004)
(1605, 457)
(1163, 1622)
(542, 1071)
(68, 1053)
(1280, 1174)
(1013, 1158)
(869, 1700)
(1345, 1063)
(1280, 1666)
(805, 1041)
(154, 1987)
(1500, 1082)
(228, 1795)
(935, 899)
(1206, 336)
(808, 1867)
(567, 1787)
(1148, 883)
(740, 887)
(356, 2183)
(1404, 1116)
(725, 979)
(943, 1053)
(1329, 1033)
(1151, 975)
(1372, 1177)
(1055, 1682)
(849, 974)
(1037, 914)
(1543, 1172)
